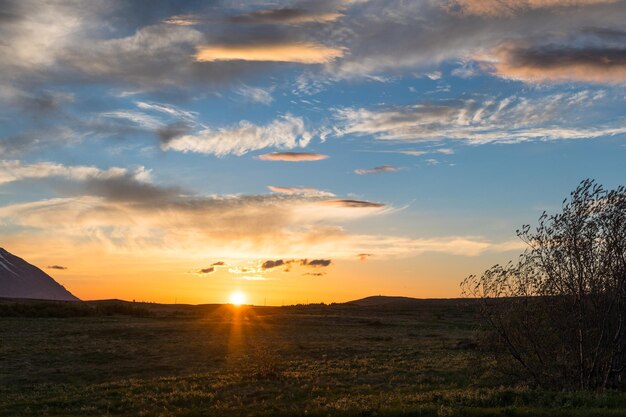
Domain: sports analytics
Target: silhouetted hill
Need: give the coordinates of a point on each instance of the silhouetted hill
(389, 301)
(19, 279)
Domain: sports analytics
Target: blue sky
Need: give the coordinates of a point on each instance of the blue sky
(407, 136)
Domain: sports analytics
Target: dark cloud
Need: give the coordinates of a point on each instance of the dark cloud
(32, 140)
(272, 264)
(57, 267)
(316, 263)
(593, 62)
(173, 130)
(206, 271)
(43, 102)
(556, 56)
(129, 189)
(385, 42)
(219, 263)
(288, 16)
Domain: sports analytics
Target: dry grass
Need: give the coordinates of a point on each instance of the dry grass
(314, 361)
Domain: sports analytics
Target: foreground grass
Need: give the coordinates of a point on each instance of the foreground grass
(315, 361)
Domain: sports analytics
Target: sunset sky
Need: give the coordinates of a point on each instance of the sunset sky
(301, 151)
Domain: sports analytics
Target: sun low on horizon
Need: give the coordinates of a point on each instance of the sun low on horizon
(295, 152)
(237, 298)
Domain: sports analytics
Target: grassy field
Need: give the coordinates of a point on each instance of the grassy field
(340, 360)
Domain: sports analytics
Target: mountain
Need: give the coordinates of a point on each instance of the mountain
(19, 279)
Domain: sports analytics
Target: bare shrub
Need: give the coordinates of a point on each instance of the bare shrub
(556, 317)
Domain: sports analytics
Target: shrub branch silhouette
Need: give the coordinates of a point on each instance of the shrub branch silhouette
(556, 318)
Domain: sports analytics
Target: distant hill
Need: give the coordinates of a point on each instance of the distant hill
(19, 279)
(383, 300)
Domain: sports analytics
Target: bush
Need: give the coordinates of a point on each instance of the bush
(557, 316)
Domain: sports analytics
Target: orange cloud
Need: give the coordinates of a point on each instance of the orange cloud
(511, 7)
(292, 156)
(299, 52)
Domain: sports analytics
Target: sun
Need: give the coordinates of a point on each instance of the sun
(237, 298)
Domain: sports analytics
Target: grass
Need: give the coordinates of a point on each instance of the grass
(152, 360)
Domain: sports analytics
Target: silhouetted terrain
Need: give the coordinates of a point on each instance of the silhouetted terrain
(19, 279)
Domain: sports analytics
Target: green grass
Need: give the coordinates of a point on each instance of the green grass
(295, 361)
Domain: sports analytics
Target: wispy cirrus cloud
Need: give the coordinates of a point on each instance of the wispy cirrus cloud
(285, 132)
(256, 94)
(377, 170)
(299, 190)
(485, 120)
(15, 170)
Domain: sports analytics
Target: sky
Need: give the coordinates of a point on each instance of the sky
(298, 151)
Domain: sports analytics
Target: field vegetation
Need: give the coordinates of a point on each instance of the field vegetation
(411, 358)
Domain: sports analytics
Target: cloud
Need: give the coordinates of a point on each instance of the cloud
(319, 11)
(253, 278)
(292, 156)
(59, 267)
(317, 263)
(125, 214)
(303, 191)
(433, 75)
(255, 94)
(142, 120)
(173, 130)
(285, 132)
(314, 263)
(206, 271)
(561, 62)
(364, 256)
(168, 109)
(380, 41)
(511, 7)
(483, 120)
(33, 140)
(297, 13)
(185, 20)
(377, 170)
(289, 16)
(296, 52)
(272, 264)
(352, 203)
(219, 263)
(14, 170)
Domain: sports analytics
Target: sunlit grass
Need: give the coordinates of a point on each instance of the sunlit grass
(247, 361)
